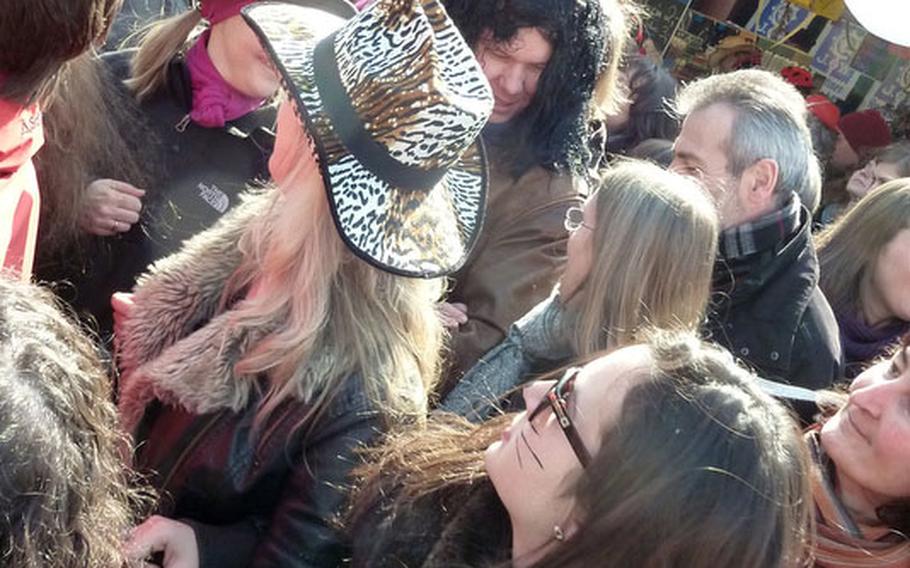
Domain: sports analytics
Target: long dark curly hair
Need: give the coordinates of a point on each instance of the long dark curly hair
(587, 38)
(66, 496)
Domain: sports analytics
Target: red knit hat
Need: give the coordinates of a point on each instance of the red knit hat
(865, 130)
(824, 110)
(797, 76)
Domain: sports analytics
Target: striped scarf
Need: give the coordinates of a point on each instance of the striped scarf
(841, 542)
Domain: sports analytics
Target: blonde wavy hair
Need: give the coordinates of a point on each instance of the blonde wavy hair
(655, 241)
(329, 314)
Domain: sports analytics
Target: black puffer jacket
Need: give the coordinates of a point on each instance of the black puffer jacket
(198, 173)
(768, 310)
(257, 495)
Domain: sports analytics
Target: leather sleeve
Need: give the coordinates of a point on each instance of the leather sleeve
(516, 268)
(229, 546)
(303, 530)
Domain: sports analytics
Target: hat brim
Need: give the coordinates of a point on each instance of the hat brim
(422, 233)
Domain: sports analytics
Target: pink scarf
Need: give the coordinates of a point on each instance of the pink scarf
(214, 100)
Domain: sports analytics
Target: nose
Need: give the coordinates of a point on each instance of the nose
(512, 81)
(873, 397)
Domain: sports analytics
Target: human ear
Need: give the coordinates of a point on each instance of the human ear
(758, 184)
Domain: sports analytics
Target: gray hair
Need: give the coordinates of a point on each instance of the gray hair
(770, 123)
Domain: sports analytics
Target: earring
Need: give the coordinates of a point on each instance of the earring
(558, 534)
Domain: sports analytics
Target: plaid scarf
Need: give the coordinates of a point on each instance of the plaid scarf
(841, 542)
(763, 234)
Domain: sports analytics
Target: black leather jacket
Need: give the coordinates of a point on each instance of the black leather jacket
(265, 497)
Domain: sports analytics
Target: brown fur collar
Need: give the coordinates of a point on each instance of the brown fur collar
(174, 347)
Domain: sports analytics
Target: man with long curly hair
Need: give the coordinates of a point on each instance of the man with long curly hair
(542, 59)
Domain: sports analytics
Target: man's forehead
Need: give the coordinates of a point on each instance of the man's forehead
(705, 132)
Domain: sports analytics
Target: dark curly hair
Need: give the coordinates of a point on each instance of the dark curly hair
(587, 38)
(64, 492)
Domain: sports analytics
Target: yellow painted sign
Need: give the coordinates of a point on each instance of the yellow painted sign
(831, 9)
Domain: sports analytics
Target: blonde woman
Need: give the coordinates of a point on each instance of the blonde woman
(262, 356)
(864, 260)
(640, 254)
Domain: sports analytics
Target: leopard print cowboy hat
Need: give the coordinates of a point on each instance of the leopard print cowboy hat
(394, 100)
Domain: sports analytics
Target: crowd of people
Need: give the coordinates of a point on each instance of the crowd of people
(437, 283)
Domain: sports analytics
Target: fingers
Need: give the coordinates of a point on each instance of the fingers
(159, 534)
(111, 207)
(122, 303)
(147, 538)
(452, 315)
(126, 188)
(463, 308)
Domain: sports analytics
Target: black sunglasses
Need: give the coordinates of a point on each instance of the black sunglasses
(557, 399)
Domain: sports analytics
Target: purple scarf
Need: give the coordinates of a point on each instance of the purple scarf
(862, 343)
(214, 101)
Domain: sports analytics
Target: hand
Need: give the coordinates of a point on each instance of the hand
(159, 534)
(122, 303)
(452, 315)
(110, 207)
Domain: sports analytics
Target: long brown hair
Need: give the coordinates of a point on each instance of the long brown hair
(68, 499)
(849, 248)
(92, 129)
(38, 37)
(655, 240)
(702, 469)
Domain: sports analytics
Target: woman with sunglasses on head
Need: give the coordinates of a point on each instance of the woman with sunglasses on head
(258, 359)
(864, 262)
(641, 252)
(860, 451)
(664, 454)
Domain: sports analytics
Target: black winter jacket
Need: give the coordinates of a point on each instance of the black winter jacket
(768, 310)
(199, 174)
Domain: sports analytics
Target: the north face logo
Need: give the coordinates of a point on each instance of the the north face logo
(212, 195)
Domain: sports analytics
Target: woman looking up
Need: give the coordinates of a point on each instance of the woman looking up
(658, 454)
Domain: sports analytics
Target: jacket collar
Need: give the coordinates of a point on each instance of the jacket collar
(180, 89)
(175, 346)
(748, 279)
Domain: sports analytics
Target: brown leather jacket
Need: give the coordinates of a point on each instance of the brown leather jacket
(516, 262)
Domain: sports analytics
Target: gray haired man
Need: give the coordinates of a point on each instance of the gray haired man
(745, 138)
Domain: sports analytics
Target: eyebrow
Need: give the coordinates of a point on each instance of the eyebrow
(684, 155)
